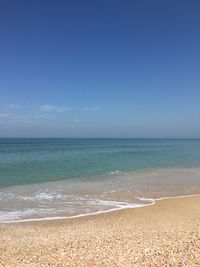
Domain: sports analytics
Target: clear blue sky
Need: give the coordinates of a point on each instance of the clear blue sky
(100, 68)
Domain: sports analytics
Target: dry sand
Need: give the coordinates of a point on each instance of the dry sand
(166, 234)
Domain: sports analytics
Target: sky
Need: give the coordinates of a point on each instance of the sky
(104, 68)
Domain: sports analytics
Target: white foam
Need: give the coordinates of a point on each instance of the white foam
(79, 199)
(15, 215)
(120, 206)
(38, 196)
(183, 196)
(128, 206)
(114, 172)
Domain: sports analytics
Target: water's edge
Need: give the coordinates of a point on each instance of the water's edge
(98, 212)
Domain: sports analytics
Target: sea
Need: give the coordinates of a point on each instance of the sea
(49, 179)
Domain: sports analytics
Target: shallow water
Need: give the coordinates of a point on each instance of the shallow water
(69, 198)
(51, 178)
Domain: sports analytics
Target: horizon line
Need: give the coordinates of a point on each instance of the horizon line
(32, 137)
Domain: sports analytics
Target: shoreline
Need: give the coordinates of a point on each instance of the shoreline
(164, 234)
(58, 201)
(97, 213)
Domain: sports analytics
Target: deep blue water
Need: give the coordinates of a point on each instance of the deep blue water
(26, 161)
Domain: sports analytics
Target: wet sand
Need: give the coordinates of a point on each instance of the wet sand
(166, 234)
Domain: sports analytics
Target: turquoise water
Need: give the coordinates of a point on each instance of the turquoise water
(64, 178)
(26, 161)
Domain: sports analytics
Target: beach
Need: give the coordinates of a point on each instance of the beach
(99, 133)
(164, 234)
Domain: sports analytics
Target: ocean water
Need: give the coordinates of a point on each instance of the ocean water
(53, 178)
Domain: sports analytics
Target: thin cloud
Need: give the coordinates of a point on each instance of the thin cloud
(95, 108)
(19, 117)
(6, 115)
(13, 106)
(50, 108)
(15, 117)
(75, 120)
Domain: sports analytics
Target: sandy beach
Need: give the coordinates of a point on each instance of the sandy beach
(166, 234)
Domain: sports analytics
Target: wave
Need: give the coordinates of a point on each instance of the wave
(128, 206)
(119, 206)
(103, 194)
